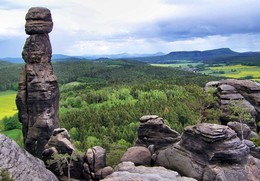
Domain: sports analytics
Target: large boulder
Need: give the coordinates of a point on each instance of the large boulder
(61, 141)
(95, 165)
(204, 147)
(20, 164)
(38, 21)
(96, 158)
(240, 129)
(126, 171)
(153, 131)
(138, 155)
(38, 93)
(255, 152)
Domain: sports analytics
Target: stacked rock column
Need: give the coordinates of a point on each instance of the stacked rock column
(38, 95)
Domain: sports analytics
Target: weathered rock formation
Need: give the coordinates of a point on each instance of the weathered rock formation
(244, 93)
(38, 95)
(240, 129)
(210, 152)
(20, 164)
(128, 171)
(153, 131)
(91, 166)
(95, 165)
(248, 135)
(60, 141)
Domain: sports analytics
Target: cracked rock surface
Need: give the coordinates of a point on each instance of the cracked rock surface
(20, 164)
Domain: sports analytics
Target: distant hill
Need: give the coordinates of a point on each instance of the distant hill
(248, 58)
(4, 63)
(13, 59)
(62, 57)
(216, 56)
(196, 56)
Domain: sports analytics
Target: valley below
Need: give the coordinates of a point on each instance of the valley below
(101, 101)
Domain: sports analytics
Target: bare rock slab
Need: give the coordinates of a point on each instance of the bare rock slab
(20, 164)
(128, 171)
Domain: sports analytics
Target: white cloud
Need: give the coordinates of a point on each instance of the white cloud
(134, 26)
(12, 23)
(110, 47)
(237, 42)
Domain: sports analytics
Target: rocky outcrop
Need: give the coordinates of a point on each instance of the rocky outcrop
(128, 171)
(95, 165)
(210, 152)
(249, 171)
(38, 95)
(60, 141)
(38, 21)
(248, 135)
(91, 166)
(244, 93)
(20, 164)
(153, 131)
(240, 129)
(255, 152)
(60, 144)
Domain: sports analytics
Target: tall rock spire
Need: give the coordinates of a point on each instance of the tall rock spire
(38, 95)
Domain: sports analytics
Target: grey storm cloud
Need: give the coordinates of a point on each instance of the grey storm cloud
(207, 20)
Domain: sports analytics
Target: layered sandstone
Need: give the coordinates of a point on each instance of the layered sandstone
(210, 152)
(38, 95)
(244, 93)
(153, 131)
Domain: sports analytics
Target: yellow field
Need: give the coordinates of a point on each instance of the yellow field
(237, 71)
(230, 67)
(7, 103)
(244, 73)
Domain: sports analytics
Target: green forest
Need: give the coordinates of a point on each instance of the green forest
(101, 101)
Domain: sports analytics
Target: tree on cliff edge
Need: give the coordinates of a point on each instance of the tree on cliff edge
(241, 114)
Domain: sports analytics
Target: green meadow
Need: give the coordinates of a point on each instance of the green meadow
(182, 64)
(8, 108)
(16, 135)
(7, 103)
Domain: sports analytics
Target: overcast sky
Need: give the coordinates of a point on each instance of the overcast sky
(87, 27)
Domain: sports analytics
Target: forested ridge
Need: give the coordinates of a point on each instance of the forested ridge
(102, 105)
(9, 74)
(101, 101)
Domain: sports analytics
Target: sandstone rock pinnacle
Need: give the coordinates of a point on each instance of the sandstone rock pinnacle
(38, 95)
